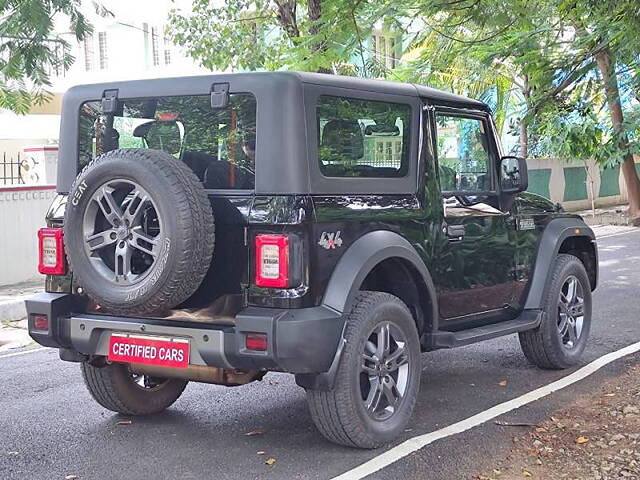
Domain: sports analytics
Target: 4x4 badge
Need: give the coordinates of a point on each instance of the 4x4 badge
(330, 240)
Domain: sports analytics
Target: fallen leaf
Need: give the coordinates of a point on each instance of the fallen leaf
(580, 440)
(526, 473)
(609, 394)
(253, 433)
(503, 383)
(270, 461)
(541, 430)
(514, 424)
(261, 452)
(124, 422)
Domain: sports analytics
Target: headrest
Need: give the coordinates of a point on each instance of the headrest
(343, 139)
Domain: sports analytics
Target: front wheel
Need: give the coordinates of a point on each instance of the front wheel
(118, 389)
(562, 336)
(378, 376)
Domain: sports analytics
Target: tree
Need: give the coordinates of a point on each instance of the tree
(541, 59)
(606, 64)
(604, 31)
(29, 52)
(515, 44)
(554, 50)
(264, 34)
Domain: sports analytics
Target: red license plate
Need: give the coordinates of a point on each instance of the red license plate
(160, 351)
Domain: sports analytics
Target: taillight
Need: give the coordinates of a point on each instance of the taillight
(256, 342)
(51, 251)
(40, 322)
(272, 261)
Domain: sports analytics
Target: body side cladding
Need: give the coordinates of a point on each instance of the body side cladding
(361, 257)
(352, 269)
(557, 231)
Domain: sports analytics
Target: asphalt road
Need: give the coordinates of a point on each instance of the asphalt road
(51, 428)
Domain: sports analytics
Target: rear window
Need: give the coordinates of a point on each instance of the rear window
(362, 138)
(218, 145)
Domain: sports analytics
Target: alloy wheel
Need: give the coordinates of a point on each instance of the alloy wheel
(570, 312)
(122, 232)
(384, 371)
(147, 382)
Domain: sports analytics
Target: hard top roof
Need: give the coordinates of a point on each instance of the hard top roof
(373, 85)
(386, 86)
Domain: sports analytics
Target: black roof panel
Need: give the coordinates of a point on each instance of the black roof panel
(374, 85)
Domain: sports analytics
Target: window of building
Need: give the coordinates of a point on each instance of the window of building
(167, 51)
(463, 154)
(385, 49)
(88, 52)
(160, 47)
(155, 46)
(362, 138)
(102, 48)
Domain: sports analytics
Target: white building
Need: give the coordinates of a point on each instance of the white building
(128, 45)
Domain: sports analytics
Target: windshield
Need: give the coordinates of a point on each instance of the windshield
(218, 145)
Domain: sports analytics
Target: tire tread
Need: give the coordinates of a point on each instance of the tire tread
(330, 409)
(537, 345)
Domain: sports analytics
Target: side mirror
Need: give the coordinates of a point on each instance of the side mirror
(513, 175)
(161, 135)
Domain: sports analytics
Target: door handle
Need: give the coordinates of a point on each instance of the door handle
(455, 232)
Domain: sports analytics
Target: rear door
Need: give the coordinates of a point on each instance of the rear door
(476, 262)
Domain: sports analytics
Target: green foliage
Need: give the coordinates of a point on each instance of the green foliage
(580, 137)
(271, 34)
(29, 52)
(533, 61)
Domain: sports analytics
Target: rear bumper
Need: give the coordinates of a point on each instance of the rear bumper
(299, 340)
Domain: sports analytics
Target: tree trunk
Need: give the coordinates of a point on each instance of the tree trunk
(524, 138)
(610, 80)
(314, 8)
(287, 18)
(524, 123)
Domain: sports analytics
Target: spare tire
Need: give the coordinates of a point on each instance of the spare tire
(138, 231)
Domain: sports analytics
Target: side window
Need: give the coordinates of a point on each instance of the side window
(463, 154)
(362, 138)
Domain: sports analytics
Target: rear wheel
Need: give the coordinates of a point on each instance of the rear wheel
(562, 337)
(378, 377)
(118, 389)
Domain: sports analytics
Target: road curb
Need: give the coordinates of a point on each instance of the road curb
(13, 309)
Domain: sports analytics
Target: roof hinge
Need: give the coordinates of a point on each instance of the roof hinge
(219, 95)
(109, 101)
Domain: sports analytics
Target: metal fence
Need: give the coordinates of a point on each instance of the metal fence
(10, 170)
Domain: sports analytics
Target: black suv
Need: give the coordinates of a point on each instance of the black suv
(220, 227)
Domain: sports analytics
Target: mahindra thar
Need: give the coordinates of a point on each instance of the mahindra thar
(216, 228)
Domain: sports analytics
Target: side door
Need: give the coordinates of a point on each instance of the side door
(476, 275)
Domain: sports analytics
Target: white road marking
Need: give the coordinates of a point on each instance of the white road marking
(617, 234)
(33, 350)
(416, 443)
